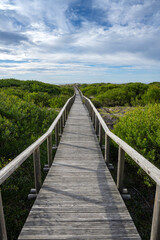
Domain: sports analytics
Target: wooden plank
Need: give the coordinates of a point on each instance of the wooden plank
(146, 165)
(16, 162)
(79, 199)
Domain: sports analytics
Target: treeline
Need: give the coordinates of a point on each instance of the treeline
(130, 94)
(140, 127)
(27, 109)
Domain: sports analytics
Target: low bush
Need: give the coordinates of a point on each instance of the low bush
(130, 94)
(140, 128)
(27, 110)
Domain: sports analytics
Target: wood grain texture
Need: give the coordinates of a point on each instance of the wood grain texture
(79, 199)
(146, 165)
(11, 167)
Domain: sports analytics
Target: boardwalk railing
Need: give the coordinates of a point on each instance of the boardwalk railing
(34, 149)
(152, 171)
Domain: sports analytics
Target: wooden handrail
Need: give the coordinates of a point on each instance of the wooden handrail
(147, 166)
(16, 162)
(35, 150)
(141, 161)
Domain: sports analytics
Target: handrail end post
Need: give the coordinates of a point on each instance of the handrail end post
(37, 169)
(107, 147)
(49, 150)
(3, 233)
(155, 231)
(120, 170)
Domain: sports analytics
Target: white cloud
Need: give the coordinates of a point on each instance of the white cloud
(46, 40)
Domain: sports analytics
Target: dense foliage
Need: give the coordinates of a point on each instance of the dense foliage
(27, 110)
(131, 94)
(140, 128)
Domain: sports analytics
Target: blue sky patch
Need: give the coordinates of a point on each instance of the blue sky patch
(80, 41)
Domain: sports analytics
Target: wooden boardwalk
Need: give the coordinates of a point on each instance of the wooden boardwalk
(79, 199)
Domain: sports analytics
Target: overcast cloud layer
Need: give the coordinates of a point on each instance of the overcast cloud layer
(64, 41)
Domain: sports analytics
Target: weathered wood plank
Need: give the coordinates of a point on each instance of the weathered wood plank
(79, 199)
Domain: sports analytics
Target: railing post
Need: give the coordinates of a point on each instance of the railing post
(96, 125)
(61, 124)
(93, 117)
(49, 150)
(37, 169)
(57, 135)
(100, 134)
(120, 170)
(155, 232)
(65, 114)
(3, 233)
(90, 111)
(106, 151)
(63, 118)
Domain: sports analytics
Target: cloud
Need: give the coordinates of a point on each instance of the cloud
(11, 38)
(76, 36)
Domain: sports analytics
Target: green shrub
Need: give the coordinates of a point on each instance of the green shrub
(140, 128)
(20, 124)
(129, 94)
(152, 95)
(112, 97)
(26, 112)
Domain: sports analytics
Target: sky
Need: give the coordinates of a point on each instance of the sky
(80, 41)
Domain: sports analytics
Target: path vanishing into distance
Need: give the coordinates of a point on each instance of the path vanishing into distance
(79, 199)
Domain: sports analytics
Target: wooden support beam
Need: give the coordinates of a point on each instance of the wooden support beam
(37, 169)
(65, 114)
(3, 233)
(96, 125)
(90, 111)
(120, 170)
(100, 134)
(57, 134)
(155, 232)
(106, 148)
(49, 150)
(61, 125)
(63, 118)
(93, 118)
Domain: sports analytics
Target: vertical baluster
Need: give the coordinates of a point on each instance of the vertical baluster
(96, 126)
(155, 232)
(3, 233)
(120, 170)
(63, 118)
(57, 134)
(61, 123)
(49, 150)
(93, 117)
(106, 152)
(100, 134)
(59, 128)
(91, 113)
(88, 108)
(37, 169)
(65, 114)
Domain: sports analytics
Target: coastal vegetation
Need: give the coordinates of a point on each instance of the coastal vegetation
(139, 126)
(132, 112)
(27, 109)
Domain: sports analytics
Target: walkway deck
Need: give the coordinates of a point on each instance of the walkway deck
(79, 199)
